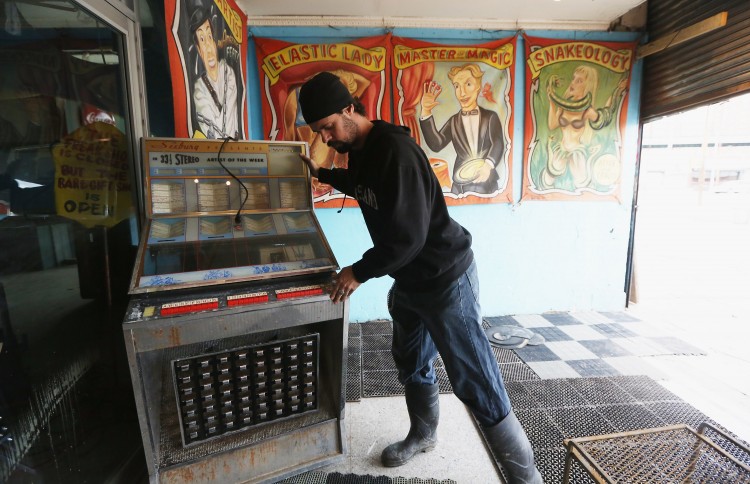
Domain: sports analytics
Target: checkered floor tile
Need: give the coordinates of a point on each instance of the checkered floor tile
(591, 344)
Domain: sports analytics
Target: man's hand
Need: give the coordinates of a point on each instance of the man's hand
(311, 164)
(344, 285)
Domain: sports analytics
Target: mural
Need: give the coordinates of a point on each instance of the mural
(207, 52)
(457, 100)
(576, 107)
(360, 64)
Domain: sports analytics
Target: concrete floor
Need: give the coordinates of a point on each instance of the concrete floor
(374, 423)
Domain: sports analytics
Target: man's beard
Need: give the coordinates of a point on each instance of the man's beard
(340, 146)
(351, 130)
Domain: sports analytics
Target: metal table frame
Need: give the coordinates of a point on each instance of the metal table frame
(578, 449)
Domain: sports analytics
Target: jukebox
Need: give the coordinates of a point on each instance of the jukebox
(237, 355)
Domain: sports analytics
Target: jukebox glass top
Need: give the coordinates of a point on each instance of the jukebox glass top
(244, 215)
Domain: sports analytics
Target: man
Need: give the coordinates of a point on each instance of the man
(215, 91)
(434, 299)
(476, 133)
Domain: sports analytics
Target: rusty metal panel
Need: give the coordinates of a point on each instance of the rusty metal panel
(708, 69)
(265, 462)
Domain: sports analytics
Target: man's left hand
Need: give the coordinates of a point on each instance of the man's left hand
(344, 285)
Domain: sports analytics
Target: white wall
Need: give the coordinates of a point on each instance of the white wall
(533, 257)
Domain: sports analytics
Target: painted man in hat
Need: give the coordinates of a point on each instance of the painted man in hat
(215, 91)
(434, 301)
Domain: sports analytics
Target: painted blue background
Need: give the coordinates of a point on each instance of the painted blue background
(533, 256)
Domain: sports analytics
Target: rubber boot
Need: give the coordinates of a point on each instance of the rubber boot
(423, 406)
(512, 448)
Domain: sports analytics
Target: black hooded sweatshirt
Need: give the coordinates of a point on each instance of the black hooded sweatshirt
(415, 240)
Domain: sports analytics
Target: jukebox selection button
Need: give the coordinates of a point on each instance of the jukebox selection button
(226, 391)
(186, 388)
(193, 306)
(190, 411)
(247, 299)
(303, 291)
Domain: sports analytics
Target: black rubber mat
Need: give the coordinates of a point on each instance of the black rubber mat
(506, 356)
(579, 421)
(551, 464)
(601, 391)
(514, 372)
(377, 361)
(555, 393)
(627, 417)
(376, 327)
(319, 477)
(353, 378)
(644, 389)
(520, 398)
(354, 364)
(376, 342)
(369, 353)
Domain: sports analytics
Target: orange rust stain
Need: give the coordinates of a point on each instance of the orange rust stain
(174, 336)
(184, 474)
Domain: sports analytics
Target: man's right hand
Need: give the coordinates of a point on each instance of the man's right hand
(310, 164)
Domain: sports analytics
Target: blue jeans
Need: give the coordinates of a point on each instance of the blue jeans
(449, 321)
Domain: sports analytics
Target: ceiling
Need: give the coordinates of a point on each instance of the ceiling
(594, 14)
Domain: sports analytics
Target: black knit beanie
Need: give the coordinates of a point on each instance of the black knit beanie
(322, 96)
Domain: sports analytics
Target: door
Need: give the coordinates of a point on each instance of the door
(71, 97)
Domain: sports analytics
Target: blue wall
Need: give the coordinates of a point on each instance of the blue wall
(533, 256)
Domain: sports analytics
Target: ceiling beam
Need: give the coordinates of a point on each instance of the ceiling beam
(682, 35)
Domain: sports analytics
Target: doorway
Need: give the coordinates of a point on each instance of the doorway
(68, 235)
(693, 224)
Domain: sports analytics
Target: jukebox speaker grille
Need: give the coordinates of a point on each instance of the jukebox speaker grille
(223, 392)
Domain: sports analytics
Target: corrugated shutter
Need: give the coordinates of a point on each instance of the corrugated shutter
(707, 69)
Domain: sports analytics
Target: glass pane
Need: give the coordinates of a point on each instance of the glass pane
(67, 245)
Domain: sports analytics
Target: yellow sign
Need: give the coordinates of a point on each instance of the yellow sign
(499, 58)
(614, 60)
(371, 59)
(91, 175)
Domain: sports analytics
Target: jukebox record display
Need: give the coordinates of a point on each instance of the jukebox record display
(225, 212)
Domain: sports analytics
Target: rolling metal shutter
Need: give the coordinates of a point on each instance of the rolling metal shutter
(712, 67)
